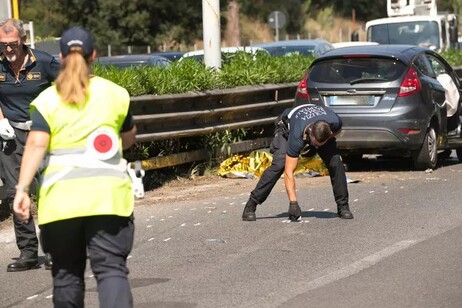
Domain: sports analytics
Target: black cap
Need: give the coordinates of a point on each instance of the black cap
(76, 37)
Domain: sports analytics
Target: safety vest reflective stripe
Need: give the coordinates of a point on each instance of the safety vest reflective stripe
(82, 166)
(70, 173)
(68, 151)
(86, 161)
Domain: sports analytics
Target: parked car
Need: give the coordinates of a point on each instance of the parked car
(225, 51)
(304, 47)
(389, 99)
(171, 55)
(126, 61)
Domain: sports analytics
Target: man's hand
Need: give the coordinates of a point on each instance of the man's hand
(294, 211)
(6, 130)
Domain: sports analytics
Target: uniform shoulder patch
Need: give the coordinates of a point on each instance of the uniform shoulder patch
(34, 76)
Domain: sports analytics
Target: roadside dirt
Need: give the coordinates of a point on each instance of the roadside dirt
(201, 187)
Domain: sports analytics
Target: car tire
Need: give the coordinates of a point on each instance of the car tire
(352, 161)
(427, 156)
(459, 154)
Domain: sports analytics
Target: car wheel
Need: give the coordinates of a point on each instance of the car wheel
(427, 156)
(459, 154)
(352, 161)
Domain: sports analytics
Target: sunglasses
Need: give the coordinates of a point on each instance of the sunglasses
(12, 45)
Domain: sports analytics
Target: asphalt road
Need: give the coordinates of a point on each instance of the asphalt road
(402, 249)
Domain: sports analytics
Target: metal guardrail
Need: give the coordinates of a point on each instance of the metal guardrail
(199, 113)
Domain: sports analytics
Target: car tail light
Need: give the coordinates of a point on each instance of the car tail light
(408, 131)
(410, 84)
(302, 89)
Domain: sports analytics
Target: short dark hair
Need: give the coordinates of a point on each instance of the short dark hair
(321, 131)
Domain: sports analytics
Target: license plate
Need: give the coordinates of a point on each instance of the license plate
(358, 100)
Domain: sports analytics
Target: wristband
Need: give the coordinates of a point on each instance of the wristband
(22, 188)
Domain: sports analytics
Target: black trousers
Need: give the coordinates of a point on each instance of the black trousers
(107, 240)
(11, 156)
(328, 153)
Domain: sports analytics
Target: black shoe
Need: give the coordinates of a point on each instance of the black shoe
(48, 262)
(22, 264)
(294, 211)
(344, 212)
(249, 211)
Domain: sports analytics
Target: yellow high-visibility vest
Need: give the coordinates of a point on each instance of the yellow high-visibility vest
(74, 183)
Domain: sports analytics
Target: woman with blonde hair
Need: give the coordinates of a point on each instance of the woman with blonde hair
(85, 200)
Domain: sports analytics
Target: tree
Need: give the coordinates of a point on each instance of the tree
(233, 33)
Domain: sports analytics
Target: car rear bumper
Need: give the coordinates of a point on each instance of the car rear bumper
(376, 140)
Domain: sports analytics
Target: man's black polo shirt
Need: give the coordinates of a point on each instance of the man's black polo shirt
(16, 94)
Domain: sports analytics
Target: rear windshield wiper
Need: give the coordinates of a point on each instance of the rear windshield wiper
(362, 80)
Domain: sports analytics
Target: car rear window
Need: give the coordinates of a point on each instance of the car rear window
(353, 70)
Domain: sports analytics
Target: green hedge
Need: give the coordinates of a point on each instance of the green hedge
(237, 70)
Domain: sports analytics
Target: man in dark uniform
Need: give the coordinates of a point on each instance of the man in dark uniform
(24, 73)
(311, 129)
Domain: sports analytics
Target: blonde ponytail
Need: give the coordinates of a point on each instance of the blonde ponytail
(73, 78)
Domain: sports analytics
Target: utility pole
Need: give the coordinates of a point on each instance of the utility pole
(16, 9)
(212, 37)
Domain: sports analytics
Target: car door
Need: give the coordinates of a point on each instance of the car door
(433, 90)
(453, 92)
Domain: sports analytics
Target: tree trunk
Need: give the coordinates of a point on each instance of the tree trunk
(233, 33)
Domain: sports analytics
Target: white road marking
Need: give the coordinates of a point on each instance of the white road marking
(33, 296)
(358, 266)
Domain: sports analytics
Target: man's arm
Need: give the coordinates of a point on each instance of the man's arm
(289, 178)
